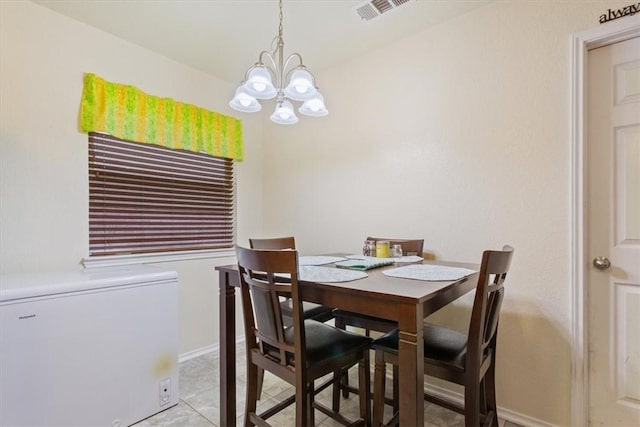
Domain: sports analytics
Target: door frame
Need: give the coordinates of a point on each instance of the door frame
(602, 35)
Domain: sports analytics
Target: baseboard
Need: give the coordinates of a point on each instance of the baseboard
(521, 419)
(503, 413)
(213, 348)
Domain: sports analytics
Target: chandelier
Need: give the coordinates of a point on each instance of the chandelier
(259, 80)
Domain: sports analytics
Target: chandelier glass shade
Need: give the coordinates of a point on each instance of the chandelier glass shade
(284, 114)
(245, 102)
(314, 107)
(266, 80)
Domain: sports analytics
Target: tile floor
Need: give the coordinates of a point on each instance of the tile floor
(199, 404)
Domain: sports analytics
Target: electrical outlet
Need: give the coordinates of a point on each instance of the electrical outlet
(165, 391)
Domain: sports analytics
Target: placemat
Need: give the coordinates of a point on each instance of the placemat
(319, 259)
(432, 273)
(314, 273)
(328, 274)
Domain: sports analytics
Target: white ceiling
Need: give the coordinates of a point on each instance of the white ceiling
(224, 37)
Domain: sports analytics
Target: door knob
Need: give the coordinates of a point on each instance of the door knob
(601, 263)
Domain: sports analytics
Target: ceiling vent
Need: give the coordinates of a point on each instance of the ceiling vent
(374, 8)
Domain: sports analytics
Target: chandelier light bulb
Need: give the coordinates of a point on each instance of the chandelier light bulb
(259, 86)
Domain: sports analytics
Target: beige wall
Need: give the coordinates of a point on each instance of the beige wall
(460, 135)
(43, 156)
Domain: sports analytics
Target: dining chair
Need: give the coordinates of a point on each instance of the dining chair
(300, 353)
(468, 360)
(310, 310)
(345, 318)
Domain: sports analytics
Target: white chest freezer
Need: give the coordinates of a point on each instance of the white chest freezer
(86, 348)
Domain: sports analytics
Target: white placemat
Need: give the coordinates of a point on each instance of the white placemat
(319, 259)
(313, 273)
(432, 273)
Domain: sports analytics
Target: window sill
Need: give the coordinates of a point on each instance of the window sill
(115, 260)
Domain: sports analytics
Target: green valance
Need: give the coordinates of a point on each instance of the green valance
(128, 113)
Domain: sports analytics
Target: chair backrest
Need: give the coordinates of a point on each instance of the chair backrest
(485, 313)
(265, 276)
(273, 243)
(409, 246)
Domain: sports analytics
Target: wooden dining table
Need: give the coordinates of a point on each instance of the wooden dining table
(406, 301)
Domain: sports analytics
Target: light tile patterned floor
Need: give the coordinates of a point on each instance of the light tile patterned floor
(199, 404)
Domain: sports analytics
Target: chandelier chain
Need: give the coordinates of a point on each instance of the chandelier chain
(280, 27)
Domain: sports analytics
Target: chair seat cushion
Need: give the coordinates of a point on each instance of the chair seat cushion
(309, 310)
(325, 341)
(441, 345)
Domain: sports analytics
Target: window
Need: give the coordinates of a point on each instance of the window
(146, 198)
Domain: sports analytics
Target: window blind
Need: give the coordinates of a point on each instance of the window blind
(145, 198)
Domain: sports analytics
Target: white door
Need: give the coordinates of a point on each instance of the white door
(613, 203)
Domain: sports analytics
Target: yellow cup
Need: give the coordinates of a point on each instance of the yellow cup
(382, 249)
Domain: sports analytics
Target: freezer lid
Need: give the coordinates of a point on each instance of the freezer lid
(30, 285)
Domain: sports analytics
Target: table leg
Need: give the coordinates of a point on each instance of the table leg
(411, 366)
(227, 352)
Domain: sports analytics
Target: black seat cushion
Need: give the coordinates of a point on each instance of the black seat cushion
(309, 310)
(441, 345)
(325, 341)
